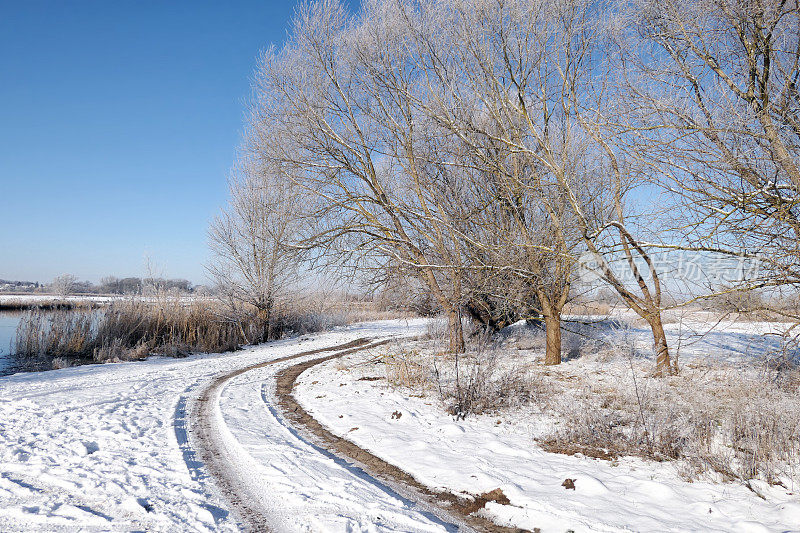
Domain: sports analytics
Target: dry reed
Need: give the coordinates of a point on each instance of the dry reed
(136, 327)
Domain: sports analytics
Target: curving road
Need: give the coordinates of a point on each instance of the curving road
(274, 478)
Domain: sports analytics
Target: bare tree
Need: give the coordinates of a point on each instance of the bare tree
(716, 90)
(254, 239)
(64, 284)
(458, 140)
(521, 78)
(349, 133)
(485, 216)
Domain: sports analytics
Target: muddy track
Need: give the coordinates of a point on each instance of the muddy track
(376, 467)
(210, 446)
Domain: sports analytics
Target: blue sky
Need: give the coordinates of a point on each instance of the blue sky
(118, 123)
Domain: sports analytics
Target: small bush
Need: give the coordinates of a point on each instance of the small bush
(404, 369)
(60, 362)
(474, 382)
(116, 351)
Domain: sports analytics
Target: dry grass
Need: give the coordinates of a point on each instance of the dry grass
(479, 381)
(404, 369)
(738, 422)
(133, 328)
(589, 308)
(476, 383)
(64, 333)
(714, 420)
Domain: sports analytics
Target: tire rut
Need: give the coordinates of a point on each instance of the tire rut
(210, 448)
(374, 466)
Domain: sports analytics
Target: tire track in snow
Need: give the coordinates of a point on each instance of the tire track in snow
(193, 464)
(355, 468)
(375, 467)
(211, 455)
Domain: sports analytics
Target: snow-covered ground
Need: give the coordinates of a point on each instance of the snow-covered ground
(32, 300)
(104, 447)
(691, 334)
(487, 452)
(45, 299)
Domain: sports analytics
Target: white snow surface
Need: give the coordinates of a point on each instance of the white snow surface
(103, 447)
(43, 299)
(487, 452)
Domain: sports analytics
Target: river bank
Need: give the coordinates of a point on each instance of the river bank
(20, 302)
(45, 332)
(8, 327)
(10, 362)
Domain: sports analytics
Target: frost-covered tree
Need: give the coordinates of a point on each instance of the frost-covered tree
(715, 87)
(64, 284)
(255, 239)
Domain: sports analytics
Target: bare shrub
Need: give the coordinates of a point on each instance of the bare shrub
(785, 375)
(478, 381)
(404, 369)
(733, 301)
(60, 362)
(116, 351)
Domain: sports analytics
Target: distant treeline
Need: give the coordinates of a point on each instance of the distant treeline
(69, 284)
(114, 285)
(7, 285)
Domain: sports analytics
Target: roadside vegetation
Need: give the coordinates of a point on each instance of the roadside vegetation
(714, 421)
(136, 327)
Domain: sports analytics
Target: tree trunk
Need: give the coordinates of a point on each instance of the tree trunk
(552, 326)
(455, 331)
(664, 365)
(269, 322)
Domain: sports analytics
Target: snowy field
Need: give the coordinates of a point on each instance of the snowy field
(103, 447)
(479, 454)
(487, 452)
(49, 299)
(106, 447)
(706, 335)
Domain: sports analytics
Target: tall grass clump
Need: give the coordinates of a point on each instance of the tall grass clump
(68, 333)
(736, 423)
(133, 328)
